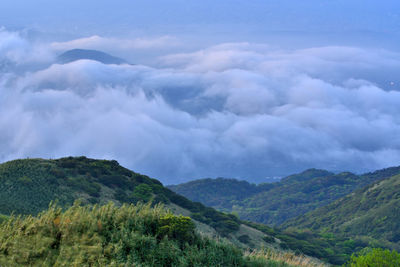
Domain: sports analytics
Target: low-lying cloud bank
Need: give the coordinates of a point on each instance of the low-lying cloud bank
(233, 110)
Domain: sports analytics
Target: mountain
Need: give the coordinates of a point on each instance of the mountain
(371, 214)
(29, 186)
(78, 54)
(275, 203)
(219, 193)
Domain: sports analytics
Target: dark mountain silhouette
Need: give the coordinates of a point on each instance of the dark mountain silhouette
(78, 54)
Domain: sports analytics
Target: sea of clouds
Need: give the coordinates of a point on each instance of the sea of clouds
(239, 110)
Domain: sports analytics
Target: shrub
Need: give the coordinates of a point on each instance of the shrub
(25, 180)
(177, 227)
(375, 257)
(245, 239)
(142, 192)
(269, 239)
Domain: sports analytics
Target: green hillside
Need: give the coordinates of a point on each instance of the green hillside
(219, 193)
(275, 203)
(28, 186)
(115, 236)
(371, 214)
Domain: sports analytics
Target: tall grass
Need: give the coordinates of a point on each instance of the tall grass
(131, 235)
(286, 257)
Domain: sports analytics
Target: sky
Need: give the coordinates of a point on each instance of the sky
(244, 89)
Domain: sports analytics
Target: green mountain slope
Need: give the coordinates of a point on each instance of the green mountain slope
(275, 203)
(220, 193)
(371, 212)
(28, 186)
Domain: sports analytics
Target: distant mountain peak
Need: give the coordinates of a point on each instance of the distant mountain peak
(79, 54)
(307, 175)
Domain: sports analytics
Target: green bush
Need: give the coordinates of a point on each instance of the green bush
(25, 180)
(245, 239)
(269, 239)
(375, 257)
(142, 192)
(177, 227)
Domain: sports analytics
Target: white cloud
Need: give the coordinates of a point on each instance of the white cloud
(14, 49)
(234, 110)
(116, 44)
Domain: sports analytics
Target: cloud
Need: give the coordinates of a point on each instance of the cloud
(235, 110)
(117, 44)
(16, 50)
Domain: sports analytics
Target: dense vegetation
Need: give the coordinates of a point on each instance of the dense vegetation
(375, 257)
(328, 247)
(275, 203)
(371, 215)
(110, 236)
(28, 186)
(219, 193)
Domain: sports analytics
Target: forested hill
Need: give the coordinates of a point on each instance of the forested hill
(27, 186)
(372, 212)
(219, 193)
(275, 203)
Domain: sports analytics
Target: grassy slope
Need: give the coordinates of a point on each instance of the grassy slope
(371, 212)
(111, 236)
(277, 202)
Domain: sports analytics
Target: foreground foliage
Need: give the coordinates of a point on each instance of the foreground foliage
(375, 257)
(287, 257)
(131, 235)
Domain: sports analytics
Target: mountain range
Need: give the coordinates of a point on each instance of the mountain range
(275, 203)
(373, 211)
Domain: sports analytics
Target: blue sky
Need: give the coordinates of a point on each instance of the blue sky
(339, 21)
(242, 89)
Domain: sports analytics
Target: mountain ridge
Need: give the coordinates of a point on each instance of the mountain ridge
(275, 203)
(372, 211)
